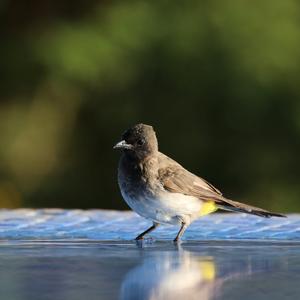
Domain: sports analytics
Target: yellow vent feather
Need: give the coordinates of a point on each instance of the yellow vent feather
(208, 207)
(208, 270)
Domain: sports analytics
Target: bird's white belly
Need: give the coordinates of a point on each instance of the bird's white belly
(169, 208)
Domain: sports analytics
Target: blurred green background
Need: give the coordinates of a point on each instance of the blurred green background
(218, 80)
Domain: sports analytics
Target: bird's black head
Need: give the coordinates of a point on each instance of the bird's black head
(139, 140)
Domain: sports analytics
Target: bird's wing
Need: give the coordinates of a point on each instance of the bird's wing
(177, 179)
(174, 178)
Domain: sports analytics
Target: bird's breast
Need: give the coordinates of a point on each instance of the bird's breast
(146, 196)
(159, 205)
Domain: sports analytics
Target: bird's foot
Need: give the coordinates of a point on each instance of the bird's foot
(144, 241)
(177, 241)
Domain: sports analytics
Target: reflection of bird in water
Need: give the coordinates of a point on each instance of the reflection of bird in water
(172, 275)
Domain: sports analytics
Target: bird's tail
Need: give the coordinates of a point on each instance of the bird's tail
(231, 205)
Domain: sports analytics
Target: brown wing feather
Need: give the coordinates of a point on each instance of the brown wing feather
(176, 179)
(170, 171)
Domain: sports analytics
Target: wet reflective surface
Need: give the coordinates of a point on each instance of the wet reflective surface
(150, 270)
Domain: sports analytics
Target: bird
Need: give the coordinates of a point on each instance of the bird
(161, 190)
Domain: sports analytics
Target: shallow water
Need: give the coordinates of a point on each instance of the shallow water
(149, 270)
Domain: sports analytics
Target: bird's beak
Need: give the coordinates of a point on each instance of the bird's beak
(122, 145)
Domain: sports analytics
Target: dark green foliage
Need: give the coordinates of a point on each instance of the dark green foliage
(219, 81)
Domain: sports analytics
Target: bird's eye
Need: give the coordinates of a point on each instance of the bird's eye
(141, 142)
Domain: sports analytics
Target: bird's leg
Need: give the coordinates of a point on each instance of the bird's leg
(141, 236)
(180, 232)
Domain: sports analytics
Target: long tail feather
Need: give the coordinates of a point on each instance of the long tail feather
(231, 205)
